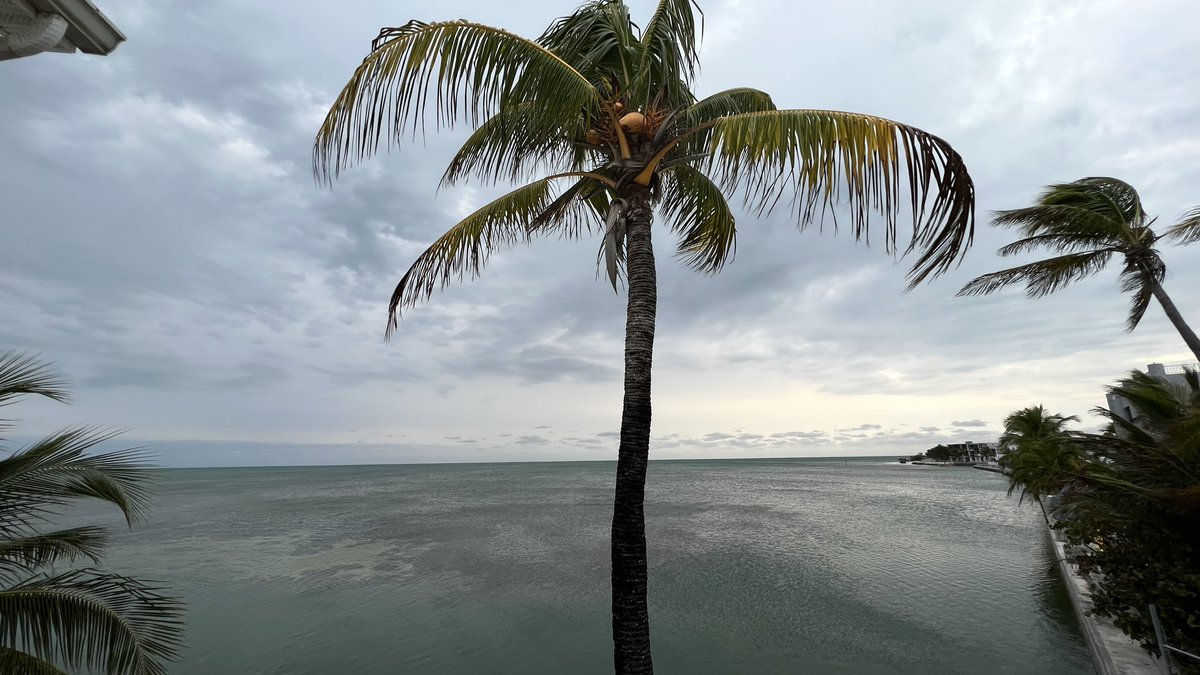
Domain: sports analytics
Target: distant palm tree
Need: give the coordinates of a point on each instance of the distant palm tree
(80, 618)
(609, 107)
(1039, 452)
(1088, 222)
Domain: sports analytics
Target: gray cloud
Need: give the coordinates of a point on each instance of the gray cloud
(167, 246)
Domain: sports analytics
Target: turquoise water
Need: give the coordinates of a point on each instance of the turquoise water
(757, 566)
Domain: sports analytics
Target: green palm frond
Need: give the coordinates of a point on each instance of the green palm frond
(1142, 267)
(1061, 227)
(815, 158)
(464, 249)
(22, 374)
(1042, 277)
(598, 41)
(508, 147)
(94, 620)
(737, 101)
(462, 69)
(1187, 230)
(1059, 243)
(1109, 198)
(24, 554)
(580, 207)
(670, 50)
(55, 471)
(697, 211)
(14, 661)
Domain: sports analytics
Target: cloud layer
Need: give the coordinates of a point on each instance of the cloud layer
(165, 244)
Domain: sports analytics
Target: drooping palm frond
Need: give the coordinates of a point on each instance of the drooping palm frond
(696, 210)
(507, 147)
(94, 620)
(55, 471)
(1143, 267)
(1042, 277)
(469, 71)
(464, 248)
(24, 554)
(670, 51)
(14, 661)
(815, 158)
(1187, 230)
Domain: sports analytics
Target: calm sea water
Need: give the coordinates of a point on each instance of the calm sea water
(757, 566)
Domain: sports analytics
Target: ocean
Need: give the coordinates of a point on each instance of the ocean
(756, 566)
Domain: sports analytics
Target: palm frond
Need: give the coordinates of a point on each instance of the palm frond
(597, 40)
(14, 661)
(697, 211)
(22, 374)
(508, 147)
(1042, 277)
(24, 554)
(819, 157)
(737, 101)
(55, 471)
(464, 249)
(1110, 198)
(1187, 230)
(94, 620)
(1143, 268)
(580, 207)
(670, 51)
(468, 70)
(1059, 242)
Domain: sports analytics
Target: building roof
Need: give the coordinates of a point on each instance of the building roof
(87, 29)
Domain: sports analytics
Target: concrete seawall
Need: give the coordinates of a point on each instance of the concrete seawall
(1113, 653)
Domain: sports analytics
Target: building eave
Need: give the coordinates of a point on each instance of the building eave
(90, 31)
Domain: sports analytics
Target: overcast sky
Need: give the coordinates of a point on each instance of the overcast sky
(165, 245)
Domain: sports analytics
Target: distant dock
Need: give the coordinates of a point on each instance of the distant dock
(991, 467)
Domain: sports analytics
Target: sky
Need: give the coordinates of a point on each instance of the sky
(165, 245)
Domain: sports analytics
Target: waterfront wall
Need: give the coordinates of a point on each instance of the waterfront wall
(1113, 653)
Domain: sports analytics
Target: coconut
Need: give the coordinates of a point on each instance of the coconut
(633, 122)
(593, 137)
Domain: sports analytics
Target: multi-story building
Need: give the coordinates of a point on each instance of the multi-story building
(1125, 408)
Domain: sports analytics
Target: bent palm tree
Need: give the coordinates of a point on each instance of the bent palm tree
(611, 108)
(80, 618)
(1038, 452)
(1088, 222)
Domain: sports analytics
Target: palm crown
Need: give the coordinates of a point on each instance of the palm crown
(609, 110)
(1087, 222)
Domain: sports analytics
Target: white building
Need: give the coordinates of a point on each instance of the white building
(1126, 410)
(29, 27)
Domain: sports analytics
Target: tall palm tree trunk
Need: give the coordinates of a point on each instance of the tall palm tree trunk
(1168, 305)
(630, 618)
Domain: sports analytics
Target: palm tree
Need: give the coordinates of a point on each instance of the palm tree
(1088, 222)
(1134, 508)
(80, 618)
(610, 107)
(1039, 452)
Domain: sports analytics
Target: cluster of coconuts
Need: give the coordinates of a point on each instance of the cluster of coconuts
(631, 122)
